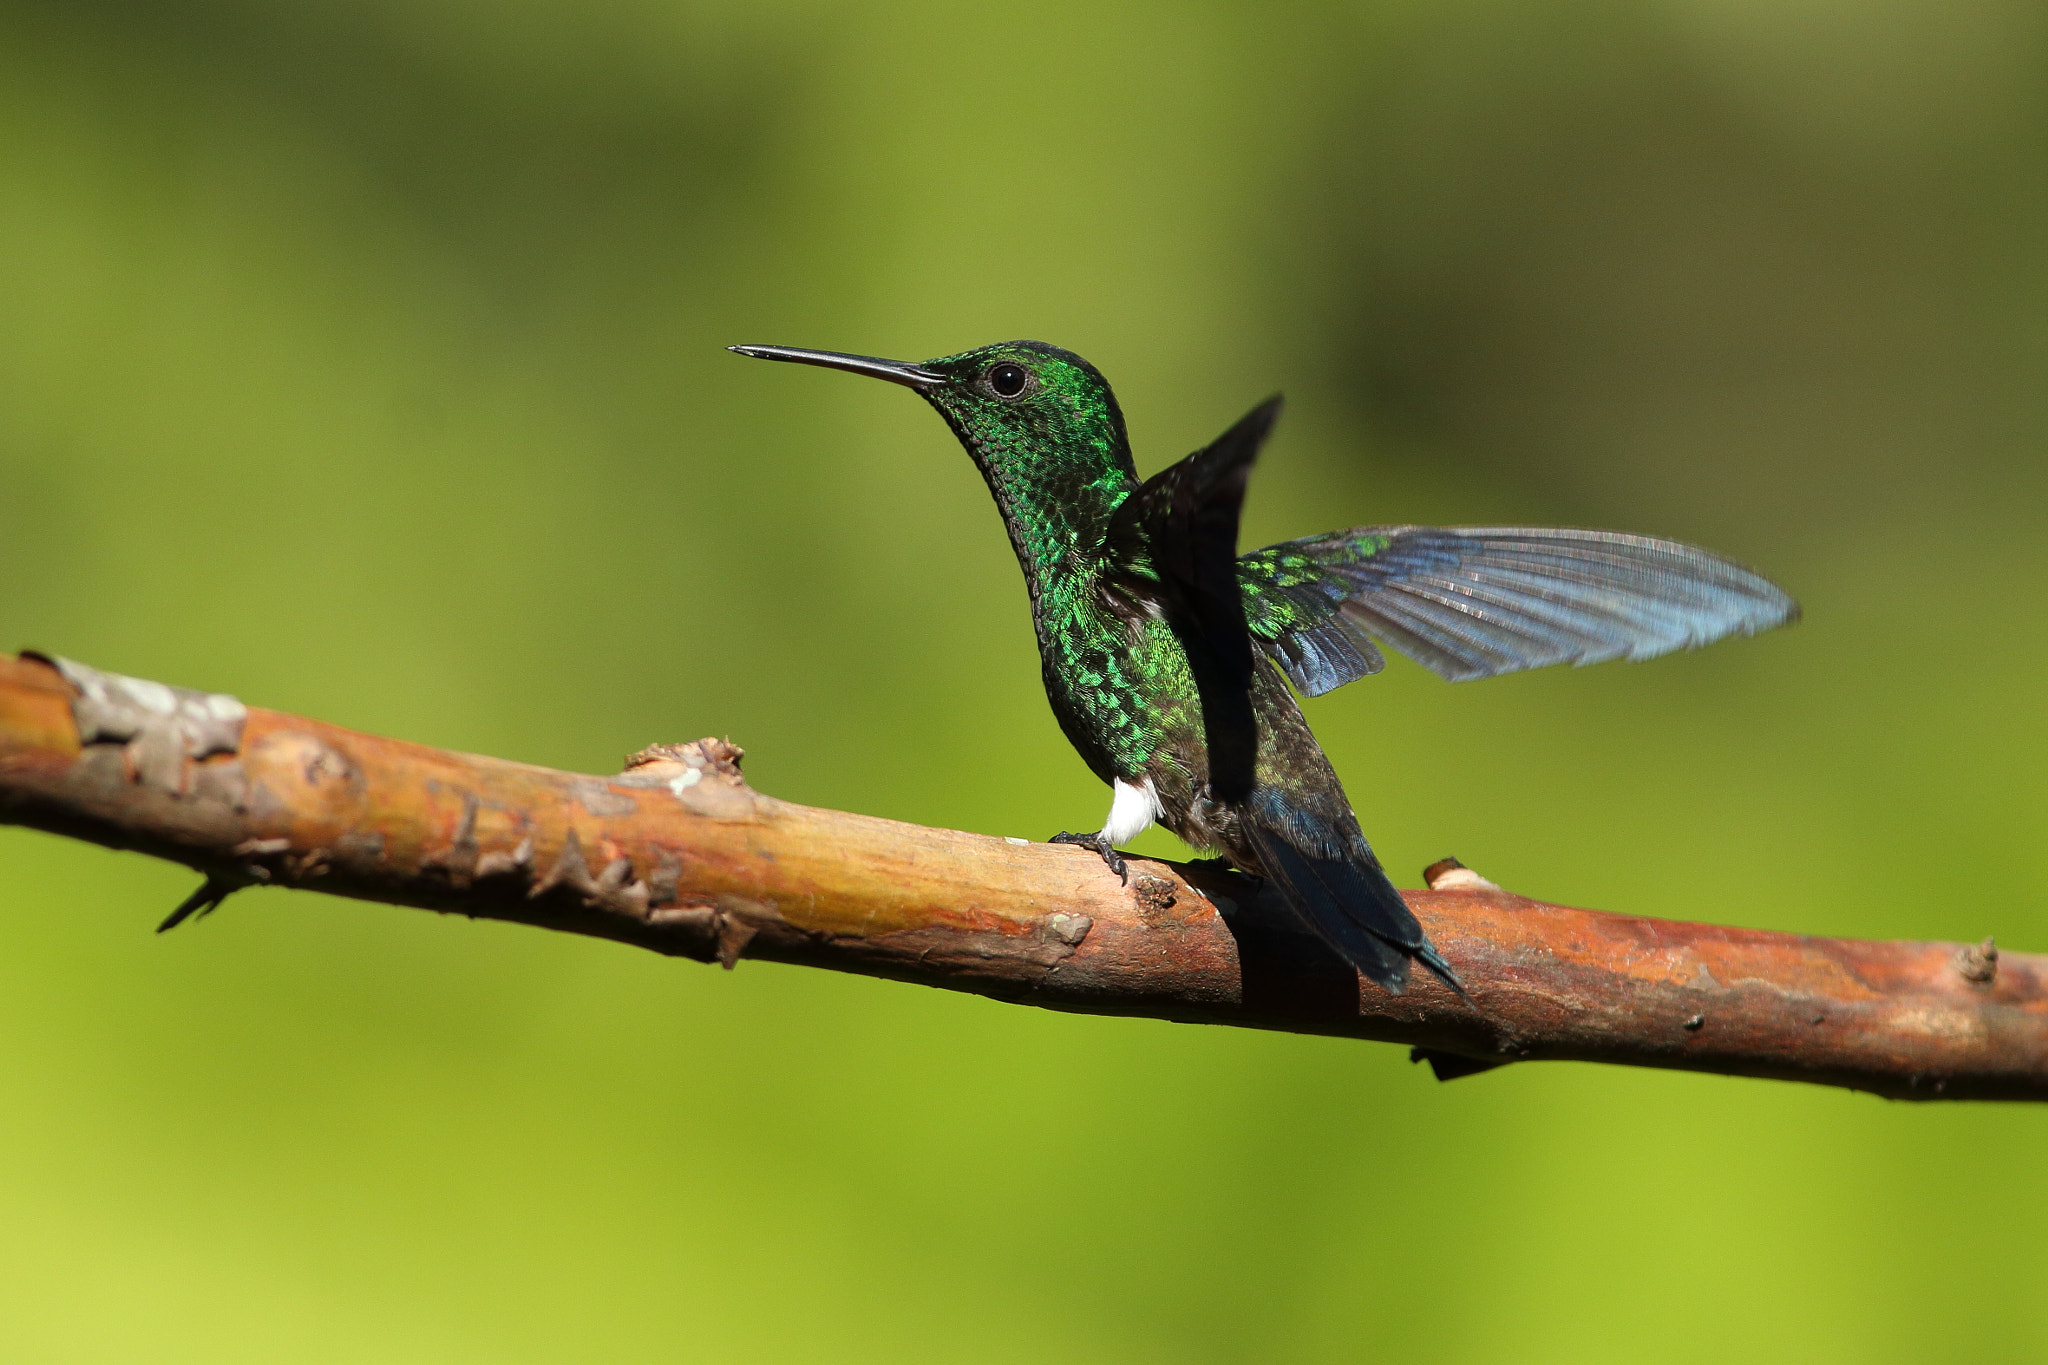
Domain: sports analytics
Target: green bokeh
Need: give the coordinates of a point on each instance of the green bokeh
(363, 360)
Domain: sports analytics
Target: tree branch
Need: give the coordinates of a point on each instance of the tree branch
(677, 854)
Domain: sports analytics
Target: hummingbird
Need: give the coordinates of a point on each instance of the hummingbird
(1167, 655)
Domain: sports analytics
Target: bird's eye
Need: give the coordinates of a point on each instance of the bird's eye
(1006, 380)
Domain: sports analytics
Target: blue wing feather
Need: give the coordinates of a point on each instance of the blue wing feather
(1475, 601)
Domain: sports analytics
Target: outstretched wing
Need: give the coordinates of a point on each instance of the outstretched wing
(1181, 524)
(1473, 601)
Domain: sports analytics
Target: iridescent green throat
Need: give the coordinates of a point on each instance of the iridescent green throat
(1055, 454)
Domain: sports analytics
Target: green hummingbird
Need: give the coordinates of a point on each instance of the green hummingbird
(1167, 655)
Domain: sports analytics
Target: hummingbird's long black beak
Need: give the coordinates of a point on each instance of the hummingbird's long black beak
(895, 371)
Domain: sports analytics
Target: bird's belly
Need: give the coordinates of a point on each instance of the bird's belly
(1125, 699)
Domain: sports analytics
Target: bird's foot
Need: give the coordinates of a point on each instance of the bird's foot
(1099, 841)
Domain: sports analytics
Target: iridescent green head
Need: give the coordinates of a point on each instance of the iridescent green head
(1041, 423)
(1002, 399)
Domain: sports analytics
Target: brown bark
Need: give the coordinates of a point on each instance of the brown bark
(679, 855)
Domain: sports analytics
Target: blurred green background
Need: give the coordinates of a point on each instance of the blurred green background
(363, 359)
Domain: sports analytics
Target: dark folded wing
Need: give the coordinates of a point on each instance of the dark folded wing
(1473, 601)
(1180, 525)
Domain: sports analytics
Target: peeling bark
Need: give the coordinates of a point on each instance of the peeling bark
(679, 855)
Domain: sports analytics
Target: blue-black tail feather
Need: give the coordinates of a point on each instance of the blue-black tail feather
(1331, 879)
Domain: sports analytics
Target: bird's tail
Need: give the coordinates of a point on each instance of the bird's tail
(1330, 878)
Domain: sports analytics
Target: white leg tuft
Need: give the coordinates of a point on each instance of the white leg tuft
(1133, 810)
